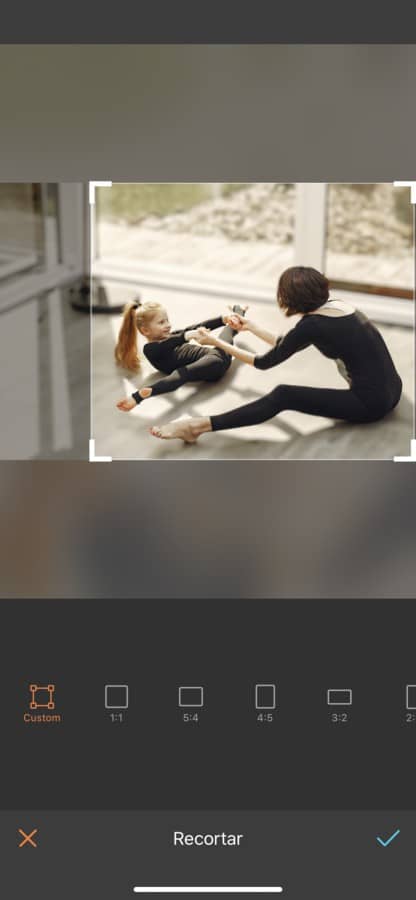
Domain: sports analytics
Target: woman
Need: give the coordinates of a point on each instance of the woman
(169, 351)
(339, 332)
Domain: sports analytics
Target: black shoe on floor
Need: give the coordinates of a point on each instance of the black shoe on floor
(240, 310)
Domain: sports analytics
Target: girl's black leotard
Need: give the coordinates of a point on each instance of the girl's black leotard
(174, 351)
(183, 362)
(357, 346)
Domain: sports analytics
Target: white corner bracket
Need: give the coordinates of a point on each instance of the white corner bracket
(93, 185)
(93, 457)
(411, 458)
(412, 186)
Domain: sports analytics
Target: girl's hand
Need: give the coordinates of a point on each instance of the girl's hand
(192, 335)
(205, 336)
(127, 404)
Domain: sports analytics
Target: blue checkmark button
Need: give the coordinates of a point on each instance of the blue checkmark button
(389, 840)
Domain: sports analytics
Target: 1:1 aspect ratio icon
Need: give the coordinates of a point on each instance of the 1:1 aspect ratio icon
(116, 696)
(265, 696)
(191, 697)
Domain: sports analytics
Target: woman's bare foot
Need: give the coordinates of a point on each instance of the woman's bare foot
(187, 430)
(145, 392)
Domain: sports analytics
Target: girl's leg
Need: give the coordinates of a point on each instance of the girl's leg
(228, 334)
(209, 367)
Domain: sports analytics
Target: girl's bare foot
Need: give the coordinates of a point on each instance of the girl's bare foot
(187, 430)
(145, 392)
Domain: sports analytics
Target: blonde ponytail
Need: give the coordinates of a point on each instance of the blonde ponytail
(126, 352)
(135, 316)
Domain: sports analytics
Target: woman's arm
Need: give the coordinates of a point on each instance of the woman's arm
(300, 337)
(242, 324)
(262, 333)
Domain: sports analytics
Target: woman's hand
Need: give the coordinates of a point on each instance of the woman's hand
(127, 404)
(205, 336)
(239, 323)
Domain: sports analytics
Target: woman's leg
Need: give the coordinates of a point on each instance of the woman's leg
(333, 404)
(328, 402)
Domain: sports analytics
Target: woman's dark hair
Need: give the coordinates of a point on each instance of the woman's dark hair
(301, 290)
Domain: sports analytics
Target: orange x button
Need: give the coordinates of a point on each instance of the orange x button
(28, 838)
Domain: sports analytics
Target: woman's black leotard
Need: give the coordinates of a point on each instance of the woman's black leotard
(183, 362)
(354, 342)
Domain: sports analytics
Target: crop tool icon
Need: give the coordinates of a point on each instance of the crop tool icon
(42, 697)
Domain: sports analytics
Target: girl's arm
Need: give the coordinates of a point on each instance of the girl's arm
(212, 324)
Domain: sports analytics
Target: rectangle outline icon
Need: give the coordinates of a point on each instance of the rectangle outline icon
(191, 705)
(408, 686)
(347, 691)
(108, 687)
(273, 686)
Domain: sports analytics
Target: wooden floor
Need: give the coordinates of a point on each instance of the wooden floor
(290, 435)
(254, 262)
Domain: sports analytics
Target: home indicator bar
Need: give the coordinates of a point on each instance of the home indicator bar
(208, 890)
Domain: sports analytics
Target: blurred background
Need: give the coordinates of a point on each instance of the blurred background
(361, 235)
(145, 531)
(127, 112)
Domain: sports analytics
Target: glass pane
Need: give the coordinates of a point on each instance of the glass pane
(44, 389)
(21, 228)
(229, 233)
(28, 227)
(370, 236)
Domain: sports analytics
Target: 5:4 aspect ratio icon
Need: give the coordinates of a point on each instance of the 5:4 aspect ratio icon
(42, 697)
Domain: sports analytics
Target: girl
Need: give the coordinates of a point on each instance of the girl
(169, 351)
(339, 332)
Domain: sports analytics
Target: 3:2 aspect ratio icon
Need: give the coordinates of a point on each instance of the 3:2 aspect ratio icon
(339, 697)
(116, 696)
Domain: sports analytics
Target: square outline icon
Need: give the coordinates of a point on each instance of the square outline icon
(190, 705)
(337, 702)
(257, 696)
(408, 687)
(117, 706)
